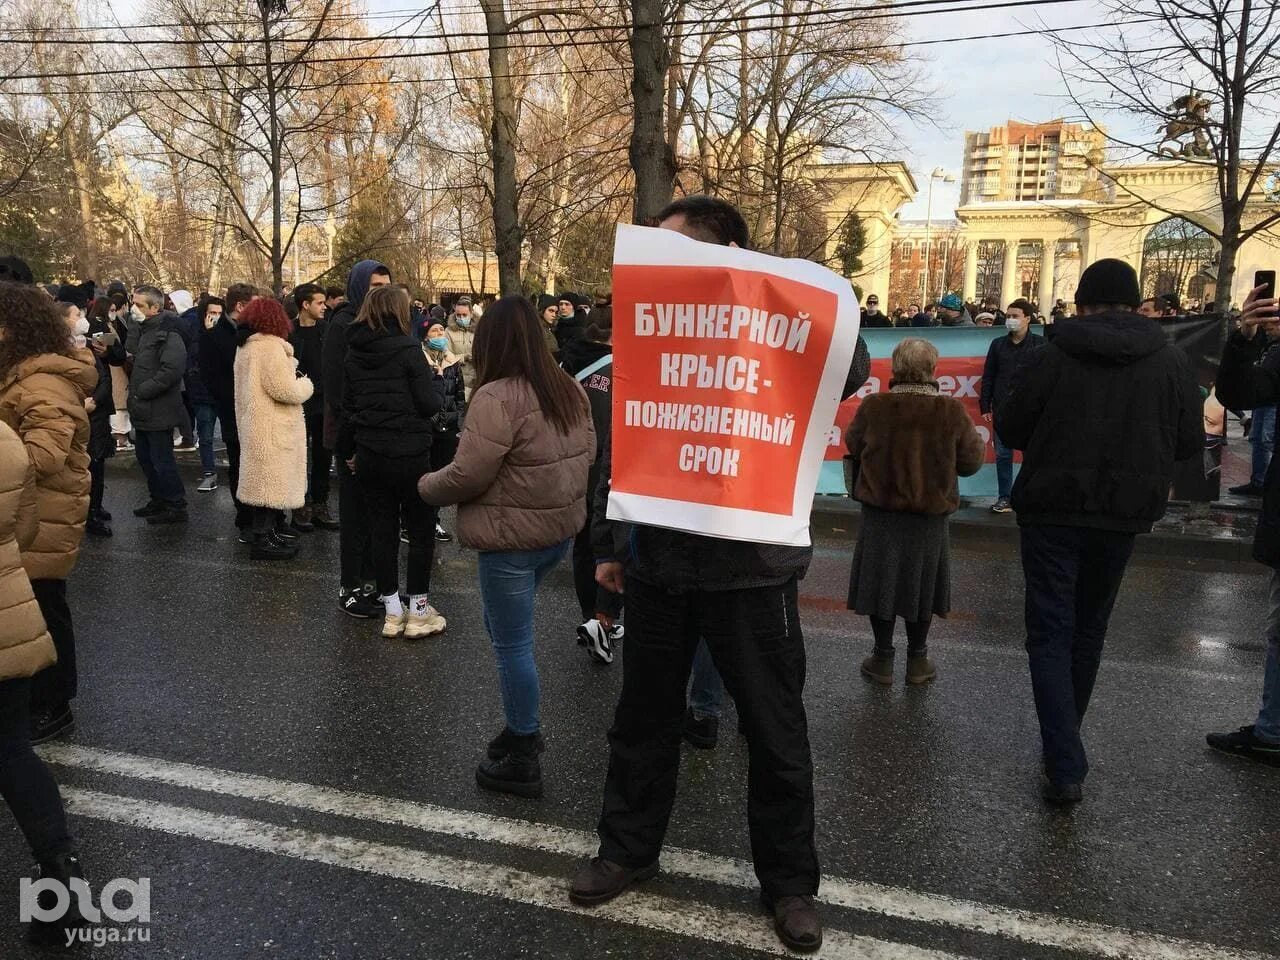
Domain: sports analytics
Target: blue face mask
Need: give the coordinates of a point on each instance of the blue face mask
(463, 322)
(438, 343)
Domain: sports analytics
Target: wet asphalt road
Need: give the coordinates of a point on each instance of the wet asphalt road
(273, 724)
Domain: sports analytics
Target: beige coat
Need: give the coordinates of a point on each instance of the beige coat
(42, 400)
(460, 345)
(25, 645)
(519, 483)
(273, 433)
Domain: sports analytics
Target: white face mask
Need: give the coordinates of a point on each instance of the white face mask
(1013, 324)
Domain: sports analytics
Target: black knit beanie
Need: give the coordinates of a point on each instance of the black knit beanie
(1109, 281)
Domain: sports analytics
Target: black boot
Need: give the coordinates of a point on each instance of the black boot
(501, 745)
(267, 547)
(517, 772)
(53, 933)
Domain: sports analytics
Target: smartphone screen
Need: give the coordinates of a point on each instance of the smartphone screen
(1265, 278)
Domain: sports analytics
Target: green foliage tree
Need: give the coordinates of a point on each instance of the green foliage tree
(853, 240)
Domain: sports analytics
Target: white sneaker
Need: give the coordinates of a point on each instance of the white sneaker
(424, 624)
(394, 626)
(597, 640)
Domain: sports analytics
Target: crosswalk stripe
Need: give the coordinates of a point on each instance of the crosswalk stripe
(637, 908)
(896, 902)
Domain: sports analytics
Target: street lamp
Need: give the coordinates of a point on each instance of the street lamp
(937, 174)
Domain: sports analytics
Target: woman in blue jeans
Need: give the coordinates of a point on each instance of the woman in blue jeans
(520, 481)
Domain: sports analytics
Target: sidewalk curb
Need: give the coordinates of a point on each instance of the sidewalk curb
(841, 518)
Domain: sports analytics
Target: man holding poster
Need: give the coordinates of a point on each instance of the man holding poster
(728, 366)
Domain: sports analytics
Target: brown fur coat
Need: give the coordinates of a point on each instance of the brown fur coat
(910, 447)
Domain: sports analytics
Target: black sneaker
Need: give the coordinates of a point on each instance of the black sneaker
(442, 535)
(244, 535)
(57, 933)
(501, 745)
(518, 772)
(1061, 794)
(97, 527)
(283, 532)
(168, 515)
(320, 517)
(104, 515)
(52, 724)
(597, 640)
(1245, 743)
(702, 733)
(354, 604)
(1250, 489)
(150, 509)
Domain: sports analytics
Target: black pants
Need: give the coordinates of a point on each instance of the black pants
(154, 450)
(390, 487)
(25, 782)
(1073, 575)
(264, 520)
(319, 459)
(443, 448)
(755, 640)
(53, 687)
(355, 544)
(917, 636)
(97, 484)
(592, 597)
(231, 437)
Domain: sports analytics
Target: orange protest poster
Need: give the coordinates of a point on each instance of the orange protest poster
(728, 366)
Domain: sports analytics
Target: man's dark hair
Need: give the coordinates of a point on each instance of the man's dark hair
(1169, 301)
(305, 292)
(381, 271)
(237, 294)
(205, 303)
(711, 219)
(1026, 306)
(333, 292)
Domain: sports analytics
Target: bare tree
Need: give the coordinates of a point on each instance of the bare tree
(1204, 75)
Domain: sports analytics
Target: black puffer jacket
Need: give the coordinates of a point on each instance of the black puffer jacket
(389, 395)
(1249, 379)
(1102, 413)
(155, 385)
(1004, 357)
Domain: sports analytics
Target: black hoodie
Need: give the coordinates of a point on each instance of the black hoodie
(1102, 413)
(333, 352)
(389, 395)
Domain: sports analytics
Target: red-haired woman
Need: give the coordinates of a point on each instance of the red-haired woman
(273, 433)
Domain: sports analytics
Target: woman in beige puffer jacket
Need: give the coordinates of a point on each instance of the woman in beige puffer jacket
(25, 649)
(520, 481)
(44, 381)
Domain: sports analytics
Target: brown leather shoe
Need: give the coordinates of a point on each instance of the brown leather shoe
(796, 921)
(600, 880)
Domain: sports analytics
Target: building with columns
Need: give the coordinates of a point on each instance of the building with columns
(875, 192)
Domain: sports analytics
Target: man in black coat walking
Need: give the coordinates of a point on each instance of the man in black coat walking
(1101, 414)
(1005, 355)
(1250, 378)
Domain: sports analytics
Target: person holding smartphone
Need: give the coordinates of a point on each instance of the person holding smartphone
(1249, 377)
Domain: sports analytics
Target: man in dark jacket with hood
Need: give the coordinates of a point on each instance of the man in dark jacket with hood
(741, 598)
(155, 405)
(1249, 378)
(1101, 413)
(356, 595)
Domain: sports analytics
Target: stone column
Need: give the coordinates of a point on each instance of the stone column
(970, 270)
(1048, 257)
(1008, 277)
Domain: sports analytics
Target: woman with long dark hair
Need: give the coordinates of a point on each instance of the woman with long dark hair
(389, 396)
(44, 380)
(520, 481)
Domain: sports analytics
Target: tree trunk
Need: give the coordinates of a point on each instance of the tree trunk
(80, 175)
(502, 151)
(652, 158)
(1227, 266)
(273, 137)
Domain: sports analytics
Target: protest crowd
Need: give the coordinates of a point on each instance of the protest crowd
(354, 412)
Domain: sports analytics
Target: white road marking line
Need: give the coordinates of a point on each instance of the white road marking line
(637, 908)
(896, 902)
